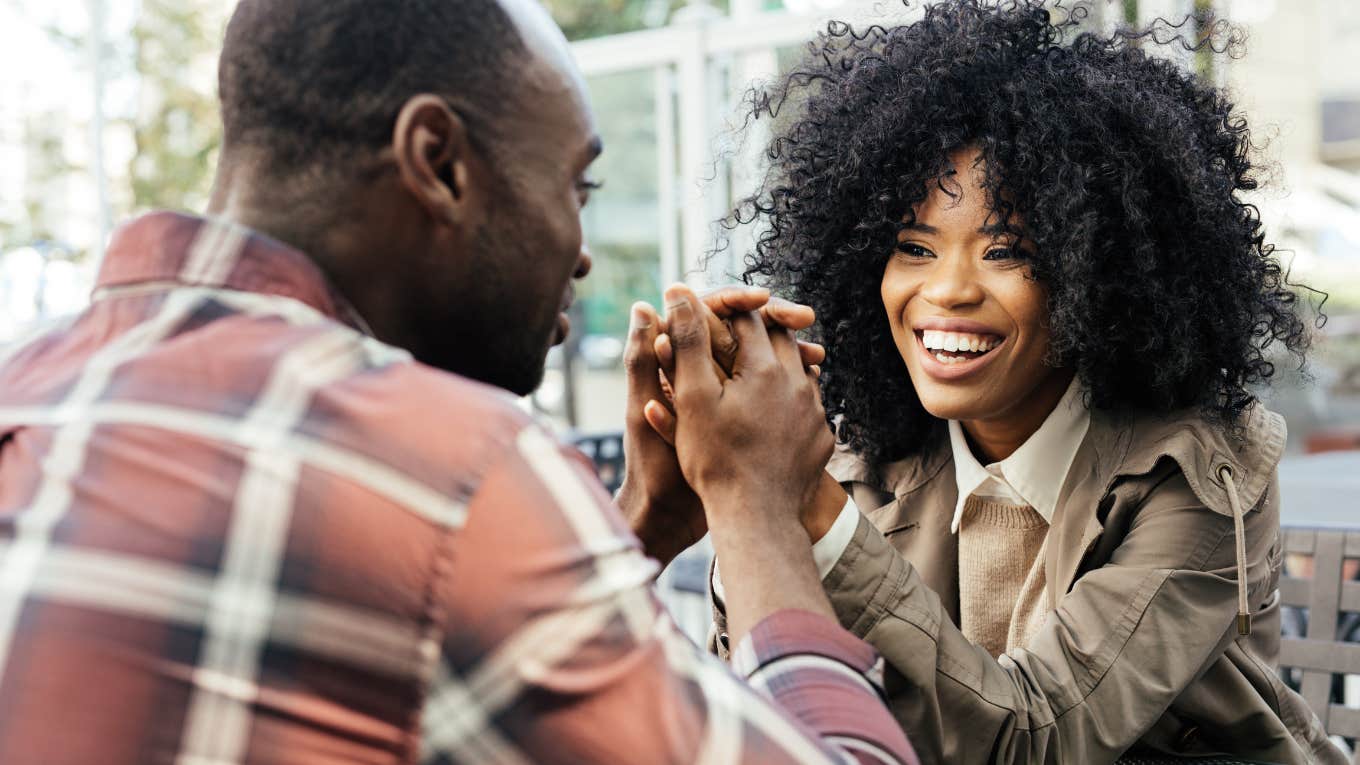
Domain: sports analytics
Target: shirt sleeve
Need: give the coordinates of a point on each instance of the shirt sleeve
(826, 552)
(553, 648)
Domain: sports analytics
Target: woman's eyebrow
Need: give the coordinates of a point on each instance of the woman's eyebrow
(997, 229)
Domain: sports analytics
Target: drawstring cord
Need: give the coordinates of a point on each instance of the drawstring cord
(1225, 473)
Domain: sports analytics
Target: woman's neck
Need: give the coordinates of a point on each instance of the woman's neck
(995, 438)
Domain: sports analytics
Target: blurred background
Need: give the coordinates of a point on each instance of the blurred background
(107, 109)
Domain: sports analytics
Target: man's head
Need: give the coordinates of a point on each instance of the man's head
(431, 155)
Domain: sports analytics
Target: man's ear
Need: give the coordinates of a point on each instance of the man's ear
(432, 151)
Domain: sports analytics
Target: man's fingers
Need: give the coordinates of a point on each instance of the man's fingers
(689, 340)
(724, 345)
(665, 354)
(666, 390)
(785, 347)
(661, 420)
(788, 314)
(753, 342)
(812, 353)
(730, 301)
(639, 357)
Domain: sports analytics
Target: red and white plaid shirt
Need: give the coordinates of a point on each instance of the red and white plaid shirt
(236, 528)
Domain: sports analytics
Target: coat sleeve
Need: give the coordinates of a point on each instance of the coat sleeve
(1115, 653)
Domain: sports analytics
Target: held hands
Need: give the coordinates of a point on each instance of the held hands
(753, 442)
(747, 419)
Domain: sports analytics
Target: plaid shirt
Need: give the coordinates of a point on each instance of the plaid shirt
(236, 528)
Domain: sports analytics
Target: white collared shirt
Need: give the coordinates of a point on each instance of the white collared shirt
(1033, 475)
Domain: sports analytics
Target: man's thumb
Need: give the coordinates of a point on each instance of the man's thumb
(689, 341)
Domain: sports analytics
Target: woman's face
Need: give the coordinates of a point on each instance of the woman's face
(969, 323)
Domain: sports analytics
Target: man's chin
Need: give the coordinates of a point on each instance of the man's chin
(520, 375)
(521, 382)
(527, 384)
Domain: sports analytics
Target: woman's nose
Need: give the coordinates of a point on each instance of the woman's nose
(952, 283)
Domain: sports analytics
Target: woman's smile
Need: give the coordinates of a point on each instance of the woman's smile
(955, 348)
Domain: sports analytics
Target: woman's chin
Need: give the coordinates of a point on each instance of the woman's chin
(947, 402)
(951, 410)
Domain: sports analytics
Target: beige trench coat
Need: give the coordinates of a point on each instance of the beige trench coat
(1143, 649)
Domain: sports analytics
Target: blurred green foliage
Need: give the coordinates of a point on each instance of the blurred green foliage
(48, 167)
(581, 19)
(178, 131)
(620, 221)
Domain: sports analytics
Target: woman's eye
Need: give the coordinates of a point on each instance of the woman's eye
(1006, 253)
(914, 250)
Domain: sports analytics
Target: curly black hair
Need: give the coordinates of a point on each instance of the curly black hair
(1125, 169)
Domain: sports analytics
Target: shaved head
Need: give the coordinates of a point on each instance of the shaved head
(314, 82)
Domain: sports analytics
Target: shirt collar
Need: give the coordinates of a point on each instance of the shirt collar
(1037, 470)
(168, 248)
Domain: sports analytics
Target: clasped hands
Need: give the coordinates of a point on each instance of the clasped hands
(725, 428)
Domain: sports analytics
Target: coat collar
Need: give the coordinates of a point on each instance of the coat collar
(1116, 446)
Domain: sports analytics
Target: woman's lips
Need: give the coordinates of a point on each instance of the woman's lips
(949, 371)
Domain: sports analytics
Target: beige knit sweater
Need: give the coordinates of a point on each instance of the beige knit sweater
(1002, 602)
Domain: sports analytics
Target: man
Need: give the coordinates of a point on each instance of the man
(262, 503)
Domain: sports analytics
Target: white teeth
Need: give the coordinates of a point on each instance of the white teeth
(937, 340)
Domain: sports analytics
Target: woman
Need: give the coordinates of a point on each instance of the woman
(1044, 303)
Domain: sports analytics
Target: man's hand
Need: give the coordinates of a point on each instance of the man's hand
(760, 433)
(662, 509)
(719, 307)
(664, 512)
(754, 447)
(723, 304)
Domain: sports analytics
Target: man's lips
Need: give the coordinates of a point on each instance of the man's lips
(563, 327)
(563, 319)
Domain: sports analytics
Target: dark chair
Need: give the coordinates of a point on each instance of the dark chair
(606, 451)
